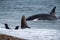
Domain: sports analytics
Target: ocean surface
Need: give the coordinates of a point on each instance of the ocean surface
(11, 12)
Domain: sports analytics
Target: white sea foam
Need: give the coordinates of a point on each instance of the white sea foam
(33, 34)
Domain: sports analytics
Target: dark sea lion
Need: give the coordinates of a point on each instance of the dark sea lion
(6, 26)
(17, 27)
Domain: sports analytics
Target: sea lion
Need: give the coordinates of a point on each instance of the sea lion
(24, 23)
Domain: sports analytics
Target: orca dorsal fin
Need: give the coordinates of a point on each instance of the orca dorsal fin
(53, 11)
(24, 23)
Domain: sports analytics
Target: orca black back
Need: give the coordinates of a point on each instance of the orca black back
(45, 16)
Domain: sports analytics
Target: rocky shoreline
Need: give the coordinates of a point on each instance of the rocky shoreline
(7, 37)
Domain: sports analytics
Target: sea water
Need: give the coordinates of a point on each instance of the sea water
(11, 12)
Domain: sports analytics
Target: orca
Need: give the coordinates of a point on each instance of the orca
(44, 16)
(6, 26)
(24, 23)
(17, 27)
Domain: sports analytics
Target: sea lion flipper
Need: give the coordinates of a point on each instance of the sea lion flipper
(24, 23)
(53, 11)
